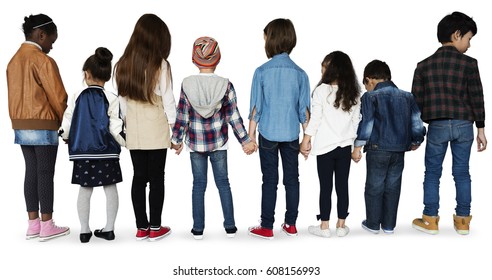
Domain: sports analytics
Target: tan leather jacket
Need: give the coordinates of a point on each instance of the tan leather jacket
(36, 95)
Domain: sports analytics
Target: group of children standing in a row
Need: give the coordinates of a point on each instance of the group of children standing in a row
(386, 121)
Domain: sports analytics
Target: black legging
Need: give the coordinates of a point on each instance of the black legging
(148, 167)
(337, 162)
(38, 181)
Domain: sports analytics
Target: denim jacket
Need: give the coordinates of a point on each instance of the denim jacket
(280, 96)
(390, 120)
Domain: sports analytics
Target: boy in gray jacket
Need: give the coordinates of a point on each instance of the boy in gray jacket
(207, 104)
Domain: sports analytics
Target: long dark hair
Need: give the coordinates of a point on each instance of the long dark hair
(338, 69)
(137, 71)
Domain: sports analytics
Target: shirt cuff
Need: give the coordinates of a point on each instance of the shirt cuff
(360, 143)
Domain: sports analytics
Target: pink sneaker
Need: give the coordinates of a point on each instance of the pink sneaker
(143, 233)
(49, 230)
(33, 229)
(262, 232)
(290, 230)
(160, 233)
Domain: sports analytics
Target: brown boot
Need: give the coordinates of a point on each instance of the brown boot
(462, 224)
(427, 224)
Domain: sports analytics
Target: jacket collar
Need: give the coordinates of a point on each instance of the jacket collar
(385, 84)
(33, 44)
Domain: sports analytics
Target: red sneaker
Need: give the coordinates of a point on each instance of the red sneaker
(143, 233)
(289, 229)
(262, 232)
(160, 233)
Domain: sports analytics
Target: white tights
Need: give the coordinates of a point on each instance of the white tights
(84, 207)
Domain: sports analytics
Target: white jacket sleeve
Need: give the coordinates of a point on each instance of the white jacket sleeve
(165, 90)
(115, 121)
(67, 116)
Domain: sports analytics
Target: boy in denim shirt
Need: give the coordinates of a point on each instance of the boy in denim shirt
(449, 93)
(390, 126)
(279, 104)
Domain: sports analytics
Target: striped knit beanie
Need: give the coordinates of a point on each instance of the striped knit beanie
(206, 52)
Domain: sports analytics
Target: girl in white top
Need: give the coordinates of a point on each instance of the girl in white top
(335, 115)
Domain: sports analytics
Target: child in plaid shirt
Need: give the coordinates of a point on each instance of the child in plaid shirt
(207, 104)
(449, 93)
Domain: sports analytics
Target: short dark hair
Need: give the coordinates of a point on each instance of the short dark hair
(280, 37)
(451, 23)
(99, 64)
(40, 21)
(377, 69)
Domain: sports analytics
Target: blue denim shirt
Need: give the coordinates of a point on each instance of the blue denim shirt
(390, 120)
(280, 94)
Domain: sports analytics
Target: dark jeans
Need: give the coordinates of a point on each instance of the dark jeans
(38, 181)
(289, 152)
(148, 167)
(334, 162)
(383, 186)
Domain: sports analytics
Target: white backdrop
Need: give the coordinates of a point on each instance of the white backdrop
(400, 33)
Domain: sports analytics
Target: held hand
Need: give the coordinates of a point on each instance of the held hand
(356, 155)
(177, 147)
(414, 147)
(250, 147)
(305, 148)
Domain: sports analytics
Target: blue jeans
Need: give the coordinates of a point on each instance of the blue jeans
(460, 135)
(199, 165)
(289, 151)
(383, 186)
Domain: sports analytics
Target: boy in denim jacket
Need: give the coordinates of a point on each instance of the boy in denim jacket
(449, 93)
(390, 126)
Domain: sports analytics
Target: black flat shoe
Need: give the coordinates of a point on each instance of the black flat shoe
(85, 237)
(108, 235)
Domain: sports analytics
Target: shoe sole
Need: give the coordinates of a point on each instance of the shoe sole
(159, 237)
(261, 236)
(198, 237)
(343, 233)
(288, 233)
(231, 235)
(429, 231)
(462, 231)
(373, 231)
(46, 238)
(141, 238)
(320, 235)
(102, 237)
(29, 237)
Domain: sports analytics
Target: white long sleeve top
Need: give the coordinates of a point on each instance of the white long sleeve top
(329, 126)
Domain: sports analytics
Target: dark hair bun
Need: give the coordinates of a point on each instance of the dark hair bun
(103, 55)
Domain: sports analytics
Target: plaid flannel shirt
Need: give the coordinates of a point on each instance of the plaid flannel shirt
(206, 135)
(447, 85)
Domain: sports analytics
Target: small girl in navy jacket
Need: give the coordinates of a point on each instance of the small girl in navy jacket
(93, 131)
